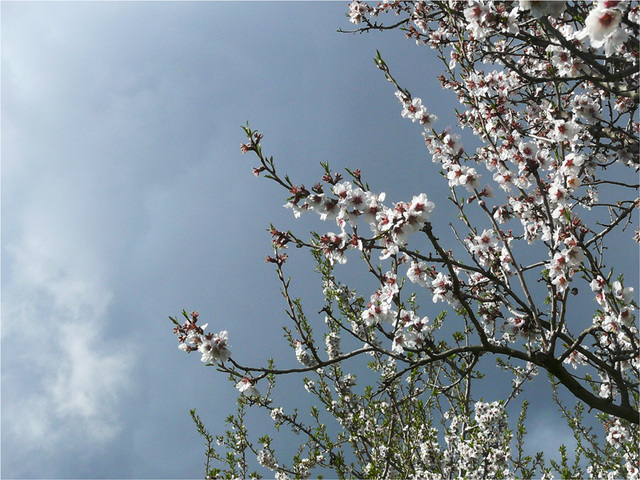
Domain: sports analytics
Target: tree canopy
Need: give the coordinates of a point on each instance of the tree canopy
(549, 93)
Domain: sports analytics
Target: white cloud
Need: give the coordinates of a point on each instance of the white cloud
(61, 378)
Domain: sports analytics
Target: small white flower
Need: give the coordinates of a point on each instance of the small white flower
(246, 386)
(303, 356)
(277, 414)
(624, 295)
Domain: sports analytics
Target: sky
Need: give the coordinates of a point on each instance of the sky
(125, 199)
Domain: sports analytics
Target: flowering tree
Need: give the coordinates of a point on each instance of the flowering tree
(550, 90)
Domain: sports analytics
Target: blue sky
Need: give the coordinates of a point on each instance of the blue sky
(125, 199)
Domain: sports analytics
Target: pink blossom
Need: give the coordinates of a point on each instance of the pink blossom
(214, 348)
(602, 23)
(575, 358)
(418, 273)
(622, 294)
(246, 386)
(358, 11)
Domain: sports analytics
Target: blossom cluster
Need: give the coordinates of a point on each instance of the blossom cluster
(193, 337)
(350, 203)
(619, 328)
(474, 450)
(303, 355)
(333, 345)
